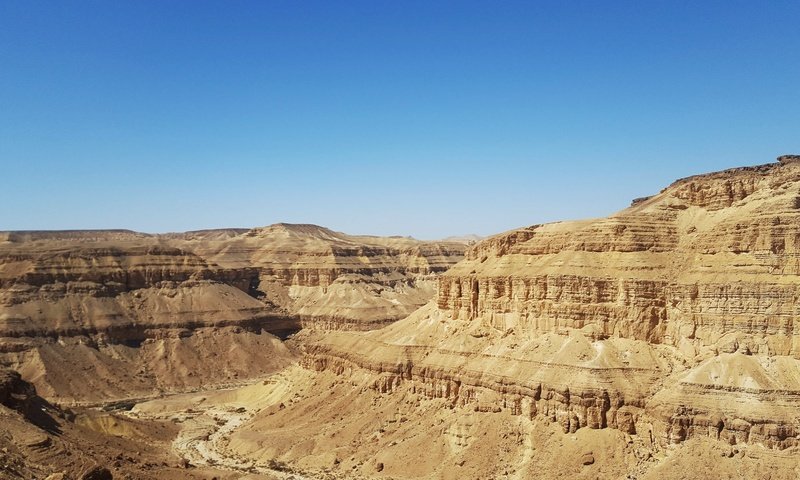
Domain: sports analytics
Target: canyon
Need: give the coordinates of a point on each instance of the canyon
(96, 316)
(657, 342)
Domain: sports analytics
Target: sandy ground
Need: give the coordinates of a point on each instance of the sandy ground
(207, 419)
(300, 424)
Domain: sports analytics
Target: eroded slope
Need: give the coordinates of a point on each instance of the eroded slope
(332, 280)
(670, 321)
(91, 316)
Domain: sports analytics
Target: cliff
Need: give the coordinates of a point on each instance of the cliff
(332, 280)
(669, 321)
(710, 256)
(152, 313)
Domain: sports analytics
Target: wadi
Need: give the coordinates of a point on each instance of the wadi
(657, 342)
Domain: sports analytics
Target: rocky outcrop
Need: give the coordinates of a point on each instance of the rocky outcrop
(633, 399)
(124, 302)
(466, 384)
(290, 271)
(672, 319)
(332, 280)
(710, 255)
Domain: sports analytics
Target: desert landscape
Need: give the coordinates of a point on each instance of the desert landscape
(658, 342)
(416, 240)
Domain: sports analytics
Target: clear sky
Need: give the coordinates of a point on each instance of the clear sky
(383, 117)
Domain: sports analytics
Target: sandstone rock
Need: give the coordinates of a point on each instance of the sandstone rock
(789, 158)
(663, 327)
(177, 299)
(332, 280)
(581, 320)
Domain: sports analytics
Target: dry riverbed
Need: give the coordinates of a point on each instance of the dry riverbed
(206, 420)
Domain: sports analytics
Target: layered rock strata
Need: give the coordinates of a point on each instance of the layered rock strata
(671, 319)
(333, 280)
(154, 313)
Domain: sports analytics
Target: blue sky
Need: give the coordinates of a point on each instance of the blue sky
(412, 118)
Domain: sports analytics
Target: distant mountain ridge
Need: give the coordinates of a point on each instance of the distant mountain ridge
(224, 287)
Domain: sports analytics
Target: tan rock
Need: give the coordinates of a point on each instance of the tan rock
(672, 317)
(150, 313)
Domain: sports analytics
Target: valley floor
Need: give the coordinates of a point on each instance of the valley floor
(302, 424)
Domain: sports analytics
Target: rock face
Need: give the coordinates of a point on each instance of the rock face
(151, 313)
(670, 320)
(332, 280)
(710, 258)
(632, 346)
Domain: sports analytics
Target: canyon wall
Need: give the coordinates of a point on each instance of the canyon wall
(152, 313)
(329, 279)
(669, 320)
(711, 256)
